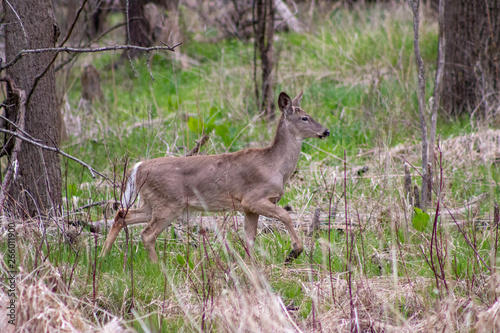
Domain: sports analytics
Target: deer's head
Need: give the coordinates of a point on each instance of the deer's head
(299, 123)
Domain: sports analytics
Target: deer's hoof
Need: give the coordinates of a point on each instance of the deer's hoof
(291, 256)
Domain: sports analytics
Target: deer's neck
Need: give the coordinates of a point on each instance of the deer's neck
(285, 150)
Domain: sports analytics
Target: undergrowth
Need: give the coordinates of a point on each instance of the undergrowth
(368, 267)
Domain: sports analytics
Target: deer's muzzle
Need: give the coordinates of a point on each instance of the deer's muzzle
(324, 134)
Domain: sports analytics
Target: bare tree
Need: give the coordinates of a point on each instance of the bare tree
(428, 140)
(264, 34)
(30, 25)
(34, 173)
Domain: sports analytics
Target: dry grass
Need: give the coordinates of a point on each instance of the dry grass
(401, 296)
(45, 305)
(250, 304)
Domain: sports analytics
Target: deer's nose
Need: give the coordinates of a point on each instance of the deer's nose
(324, 134)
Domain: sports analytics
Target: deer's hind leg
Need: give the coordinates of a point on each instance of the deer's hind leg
(125, 217)
(161, 219)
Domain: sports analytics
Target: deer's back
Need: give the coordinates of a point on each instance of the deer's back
(211, 182)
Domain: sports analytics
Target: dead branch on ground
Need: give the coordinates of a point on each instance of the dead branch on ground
(198, 145)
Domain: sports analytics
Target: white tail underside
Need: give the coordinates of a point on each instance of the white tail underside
(130, 194)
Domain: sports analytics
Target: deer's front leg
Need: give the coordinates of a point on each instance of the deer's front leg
(267, 208)
(251, 222)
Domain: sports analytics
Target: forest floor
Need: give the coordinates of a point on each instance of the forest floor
(374, 264)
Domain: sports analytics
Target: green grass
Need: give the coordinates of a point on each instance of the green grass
(357, 72)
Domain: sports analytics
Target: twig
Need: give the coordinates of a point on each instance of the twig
(87, 50)
(20, 23)
(70, 31)
(198, 145)
(407, 184)
(496, 220)
(324, 151)
(348, 264)
(39, 76)
(57, 150)
(464, 234)
(438, 86)
(436, 99)
(92, 42)
(127, 17)
(16, 126)
(98, 203)
(315, 225)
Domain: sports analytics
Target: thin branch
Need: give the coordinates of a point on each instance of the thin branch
(87, 50)
(20, 22)
(98, 203)
(198, 146)
(57, 150)
(127, 16)
(92, 42)
(70, 31)
(15, 125)
(438, 82)
(39, 76)
(421, 98)
(464, 234)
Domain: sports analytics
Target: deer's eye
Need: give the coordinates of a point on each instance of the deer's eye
(305, 118)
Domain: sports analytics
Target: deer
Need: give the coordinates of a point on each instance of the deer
(250, 181)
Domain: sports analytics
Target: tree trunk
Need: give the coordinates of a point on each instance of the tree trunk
(31, 25)
(472, 74)
(138, 30)
(264, 34)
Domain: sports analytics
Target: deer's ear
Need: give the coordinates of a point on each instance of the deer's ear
(285, 104)
(296, 101)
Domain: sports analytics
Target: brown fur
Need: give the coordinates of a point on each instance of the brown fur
(251, 181)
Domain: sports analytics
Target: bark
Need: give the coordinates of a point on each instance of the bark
(31, 24)
(472, 74)
(138, 30)
(421, 101)
(264, 34)
(438, 82)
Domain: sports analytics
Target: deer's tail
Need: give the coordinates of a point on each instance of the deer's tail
(130, 195)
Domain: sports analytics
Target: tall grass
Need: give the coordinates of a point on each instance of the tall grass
(367, 268)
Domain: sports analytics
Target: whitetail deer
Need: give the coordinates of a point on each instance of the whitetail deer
(251, 181)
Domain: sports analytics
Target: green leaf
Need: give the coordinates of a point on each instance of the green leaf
(72, 189)
(420, 220)
(213, 111)
(222, 130)
(211, 120)
(180, 260)
(191, 265)
(195, 125)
